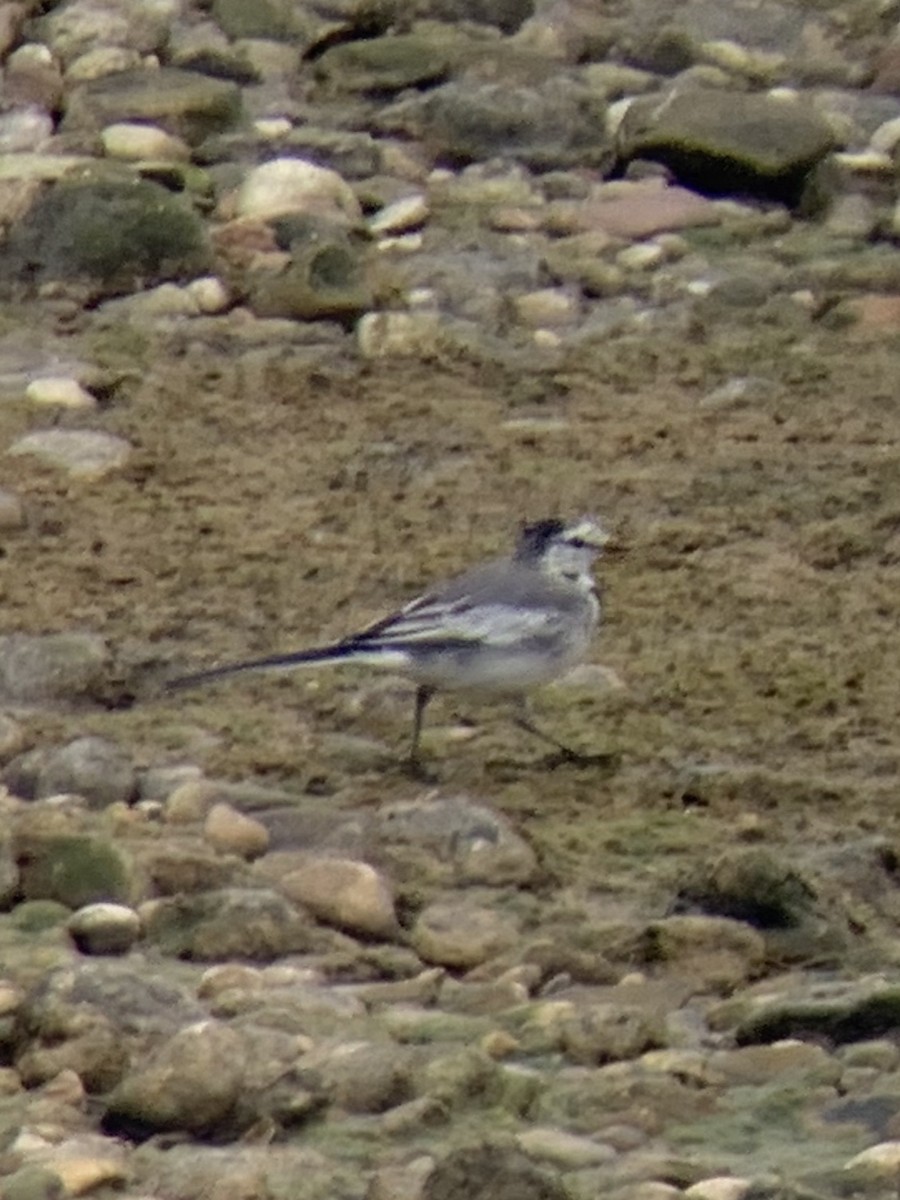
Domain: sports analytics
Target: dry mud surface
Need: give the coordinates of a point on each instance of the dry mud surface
(275, 501)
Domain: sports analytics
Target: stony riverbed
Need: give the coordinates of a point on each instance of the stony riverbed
(303, 306)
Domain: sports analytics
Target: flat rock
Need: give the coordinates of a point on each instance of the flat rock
(186, 104)
(82, 453)
(385, 64)
(726, 141)
(557, 124)
(478, 844)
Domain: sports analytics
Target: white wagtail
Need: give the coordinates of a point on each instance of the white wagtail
(500, 628)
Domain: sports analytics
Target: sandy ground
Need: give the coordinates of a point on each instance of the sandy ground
(751, 602)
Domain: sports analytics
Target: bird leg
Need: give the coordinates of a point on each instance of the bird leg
(564, 753)
(423, 695)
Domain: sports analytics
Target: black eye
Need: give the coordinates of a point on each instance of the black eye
(577, 543)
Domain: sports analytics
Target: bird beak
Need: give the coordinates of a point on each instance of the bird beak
(591, 532)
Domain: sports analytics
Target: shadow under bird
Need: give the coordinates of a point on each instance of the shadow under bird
(500, 629)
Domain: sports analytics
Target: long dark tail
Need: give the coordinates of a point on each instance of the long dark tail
(276, 662)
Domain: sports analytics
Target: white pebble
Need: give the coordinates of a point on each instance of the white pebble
(272, 128)
(400, 216)
(642, 256)
(209, 294)
(84, 453)
(60, 392)
(719, 1187)
(886, 137)
(287, 185)
(881, 1159)
(131, 141)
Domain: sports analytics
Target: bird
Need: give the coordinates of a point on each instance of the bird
(501, 628)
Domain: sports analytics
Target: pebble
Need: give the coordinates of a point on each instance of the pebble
(104, 928)
(231, 832)
(351, 895)
(59, 393)
(399, 334)
(12, 513)
(210, 294)
(565, 1150)
(84, 454)
(292, 185)
(191, 801)
(882, 1160)
(132, 142)
(719, 1187)
(401, 216)
(460, 935)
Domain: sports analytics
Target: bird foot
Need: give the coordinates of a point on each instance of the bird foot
(566, 757)
(414, 768)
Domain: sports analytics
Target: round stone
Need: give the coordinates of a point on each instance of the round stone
(104, 928)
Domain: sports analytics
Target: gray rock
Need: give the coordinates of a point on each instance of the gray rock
(486, 1172)
(184, 103)
(77, 26)
(55, 666)
(188, 866)
(249, 923)
(366, 1077)
(722, 142)
(191, 1082)
(557, 124)
(204, 48)
(108, 236)
(23, 129)
(507, 15)
(278, 20)
(92, 1018)
(385, 64)
(837, 1010)
(97, 770)
(476, 843)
